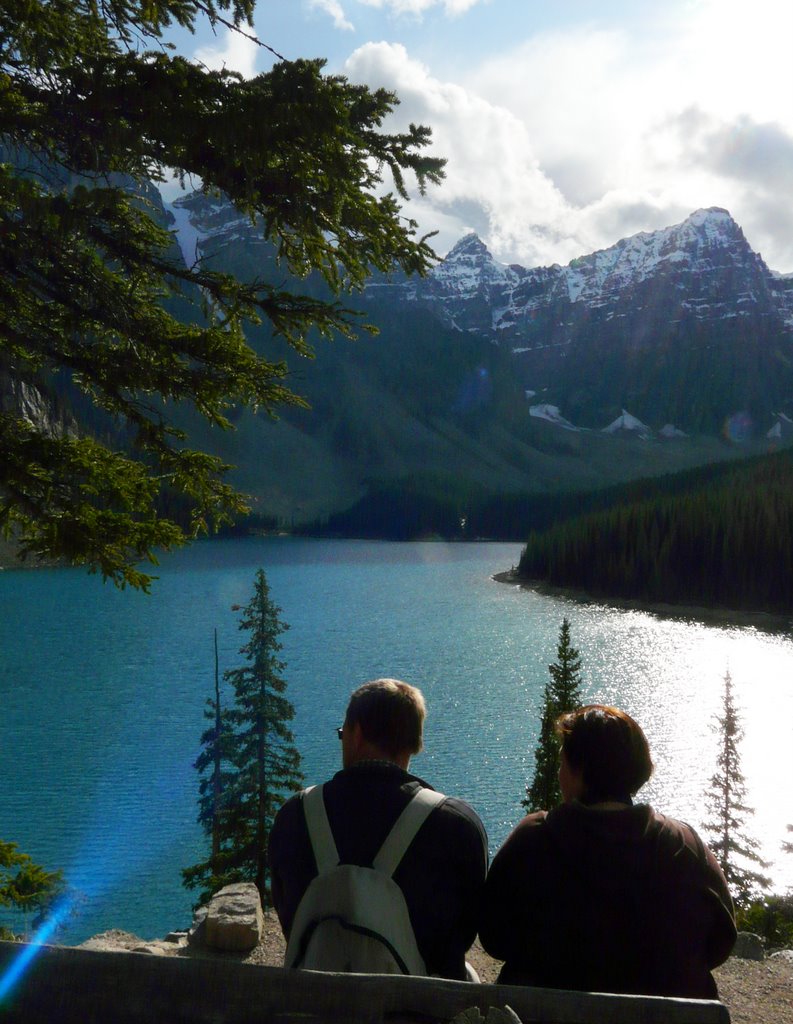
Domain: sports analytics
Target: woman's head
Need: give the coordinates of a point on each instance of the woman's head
(607, 749)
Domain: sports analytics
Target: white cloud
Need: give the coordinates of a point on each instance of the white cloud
(639, 126)
(492, 171)
(735, 57)
(418, 7)
(566, 132)
(580, 135)
(234, 52)
(335, 10)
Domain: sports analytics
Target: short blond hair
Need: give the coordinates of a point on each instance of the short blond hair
(391, 715)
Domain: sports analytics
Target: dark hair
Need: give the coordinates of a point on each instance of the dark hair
(391, 715)
(608, 748)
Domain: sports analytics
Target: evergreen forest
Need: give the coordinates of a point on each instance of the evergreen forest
(723, 540)
(418, 505)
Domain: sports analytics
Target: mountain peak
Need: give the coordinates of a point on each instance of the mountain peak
(710, 213)
(707, 235)
(470, 269)
(714, 214)
(469, 245)
(713, 222)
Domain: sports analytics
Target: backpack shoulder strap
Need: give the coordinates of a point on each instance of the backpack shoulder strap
(405, 828)
(319, 832)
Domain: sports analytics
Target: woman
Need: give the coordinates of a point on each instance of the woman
(601, 895)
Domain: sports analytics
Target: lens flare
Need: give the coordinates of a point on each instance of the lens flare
(738, 428)
(475, 391)
(30, 950)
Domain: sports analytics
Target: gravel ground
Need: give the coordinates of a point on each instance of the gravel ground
(757, 992)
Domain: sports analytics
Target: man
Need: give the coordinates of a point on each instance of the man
(443, 871)
(603, 895)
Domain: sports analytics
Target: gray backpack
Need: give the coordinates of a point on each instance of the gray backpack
(354, 919)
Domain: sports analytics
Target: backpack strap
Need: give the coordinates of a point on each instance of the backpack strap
(405, 828)
(319, 832)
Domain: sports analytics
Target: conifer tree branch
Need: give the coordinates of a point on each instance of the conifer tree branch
(89, 276)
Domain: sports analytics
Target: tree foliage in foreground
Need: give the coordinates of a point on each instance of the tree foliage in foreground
(562, 694)
(733, 847)
(93, 105)
(25, 887)
(249, 763)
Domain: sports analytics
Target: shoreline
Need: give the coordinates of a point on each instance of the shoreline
(767, 622)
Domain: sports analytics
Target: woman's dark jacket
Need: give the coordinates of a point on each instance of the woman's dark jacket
(607, 901)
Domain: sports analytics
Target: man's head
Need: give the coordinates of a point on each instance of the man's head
(606, 752)
(384, 720)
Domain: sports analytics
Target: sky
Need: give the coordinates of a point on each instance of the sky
(567, 124)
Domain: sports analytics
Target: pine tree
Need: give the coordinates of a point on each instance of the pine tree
(249, 762)
(25, 887)
(215, 767)
(728, 838)
(562, 694)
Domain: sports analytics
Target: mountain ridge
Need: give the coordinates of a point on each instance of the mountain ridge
(624, 363)
(595, 278)
(641, 326)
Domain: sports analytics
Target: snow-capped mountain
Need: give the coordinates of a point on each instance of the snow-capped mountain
(704, 266)
(684, 326)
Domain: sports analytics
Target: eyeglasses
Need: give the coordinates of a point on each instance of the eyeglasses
(340, 731)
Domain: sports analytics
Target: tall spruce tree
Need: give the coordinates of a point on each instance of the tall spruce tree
(562, 694)
(249, 762)
(733, 847)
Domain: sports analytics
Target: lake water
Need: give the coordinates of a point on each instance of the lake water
(102, 695)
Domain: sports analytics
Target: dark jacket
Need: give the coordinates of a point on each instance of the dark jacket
(441, 875)
(607, 901)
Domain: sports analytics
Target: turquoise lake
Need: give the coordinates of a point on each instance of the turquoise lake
(103, 691)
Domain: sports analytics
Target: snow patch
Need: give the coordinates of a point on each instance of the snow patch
(551, 414)
(628, 423)
(187, 235)
(783, 428)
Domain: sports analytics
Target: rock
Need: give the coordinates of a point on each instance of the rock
(178, 937)
(195, 936)
(749, 946)
(234, 919)
(783, 955)
(117, 941)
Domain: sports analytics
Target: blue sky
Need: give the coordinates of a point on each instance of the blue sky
(567, 124)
